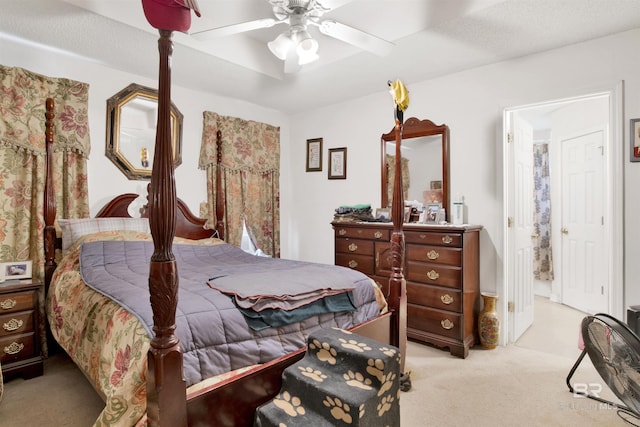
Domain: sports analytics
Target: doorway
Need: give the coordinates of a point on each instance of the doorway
(583, 140)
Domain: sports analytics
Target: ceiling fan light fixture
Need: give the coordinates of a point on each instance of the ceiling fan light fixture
(306, 48)
(281, 45)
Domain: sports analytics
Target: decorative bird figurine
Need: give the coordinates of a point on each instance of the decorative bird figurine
(400, 95)
(172, 15)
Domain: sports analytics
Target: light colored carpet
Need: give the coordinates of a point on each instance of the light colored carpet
(520, 385)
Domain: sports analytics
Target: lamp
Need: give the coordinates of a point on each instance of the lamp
(281, 45)
(306, 48)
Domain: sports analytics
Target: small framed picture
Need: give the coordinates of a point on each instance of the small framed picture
(338, 163)
(433, 213)
(635, 140)
(314, 155)
(16, 270)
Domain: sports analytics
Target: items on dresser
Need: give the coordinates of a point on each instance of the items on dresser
(442, 271)
(20, 328)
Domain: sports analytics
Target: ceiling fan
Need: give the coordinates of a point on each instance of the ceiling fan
(295, 45)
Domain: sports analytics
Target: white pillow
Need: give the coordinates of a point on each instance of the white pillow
(73, 229)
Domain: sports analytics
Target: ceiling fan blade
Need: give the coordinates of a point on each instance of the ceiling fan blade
(353, 36)
(242, 27)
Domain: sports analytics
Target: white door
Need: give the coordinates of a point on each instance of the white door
(585, 264)
(521, 218)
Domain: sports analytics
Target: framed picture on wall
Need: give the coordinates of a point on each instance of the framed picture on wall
(314, 155)
(338, 163)
(634, 136)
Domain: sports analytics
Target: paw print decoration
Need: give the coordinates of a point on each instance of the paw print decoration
(324, 351)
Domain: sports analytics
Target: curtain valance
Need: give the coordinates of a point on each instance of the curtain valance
(22, 107)
(246, 144)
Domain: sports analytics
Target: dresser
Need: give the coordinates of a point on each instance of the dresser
(20, 329)
(442, 271)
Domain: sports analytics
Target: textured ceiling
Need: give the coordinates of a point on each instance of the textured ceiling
(431, 38)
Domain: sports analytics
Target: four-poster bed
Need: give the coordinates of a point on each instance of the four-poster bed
(228, 400)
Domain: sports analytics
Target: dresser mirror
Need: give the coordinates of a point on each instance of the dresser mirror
(131, 131)
(425, 163)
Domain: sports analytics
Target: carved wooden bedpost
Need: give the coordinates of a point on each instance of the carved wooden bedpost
(49, 198)
(397, 284)
(166, 387)
(219, 190)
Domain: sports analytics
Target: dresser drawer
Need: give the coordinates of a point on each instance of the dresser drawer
(434, 274)
(17, 301)
(355, 246)
(435, 254)
(362, 233)
(17, 347)
(434, 296)
(16, 323)
(433, 238)
(363, 263)
(439, 322)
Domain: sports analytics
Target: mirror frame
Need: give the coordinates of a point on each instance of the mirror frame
(114, 112)
(414, 128)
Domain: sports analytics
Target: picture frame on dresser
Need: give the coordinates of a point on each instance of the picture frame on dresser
(433, 215)
(15, 270)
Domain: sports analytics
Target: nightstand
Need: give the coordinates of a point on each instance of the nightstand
(19, 328)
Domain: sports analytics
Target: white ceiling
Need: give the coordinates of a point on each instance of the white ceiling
(431, 38)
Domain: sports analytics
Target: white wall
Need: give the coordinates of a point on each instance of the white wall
(470, 102)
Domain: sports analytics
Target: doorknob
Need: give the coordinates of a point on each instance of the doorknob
(564, 230)
(535, 235)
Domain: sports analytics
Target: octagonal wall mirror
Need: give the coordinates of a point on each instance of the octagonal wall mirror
(131, 131)
(425, 163)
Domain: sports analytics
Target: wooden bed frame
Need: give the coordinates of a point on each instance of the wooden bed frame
(231, 402)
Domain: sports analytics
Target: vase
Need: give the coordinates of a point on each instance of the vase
(488, 322)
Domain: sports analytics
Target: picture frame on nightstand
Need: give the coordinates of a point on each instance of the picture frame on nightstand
(15, 270)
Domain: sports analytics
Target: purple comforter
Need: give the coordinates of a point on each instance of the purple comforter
(213, 333)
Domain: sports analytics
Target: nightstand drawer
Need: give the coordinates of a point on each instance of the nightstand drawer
(17, 301)
(16, 347)
(16, 323)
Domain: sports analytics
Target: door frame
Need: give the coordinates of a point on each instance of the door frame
(614, 206)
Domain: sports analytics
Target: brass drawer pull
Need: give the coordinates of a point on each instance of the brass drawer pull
(353, 247)
(353, 263)
(433, 275)
(342, 232)
(446, 299)
(377, 259)
(13, 348)
(377, 235)
(8, 304)
(447, 239)
(12, 325)
(432, 254)
(446, 324)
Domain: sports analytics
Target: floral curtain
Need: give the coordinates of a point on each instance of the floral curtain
(22, 160)
(250, 178)
(542, 259)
